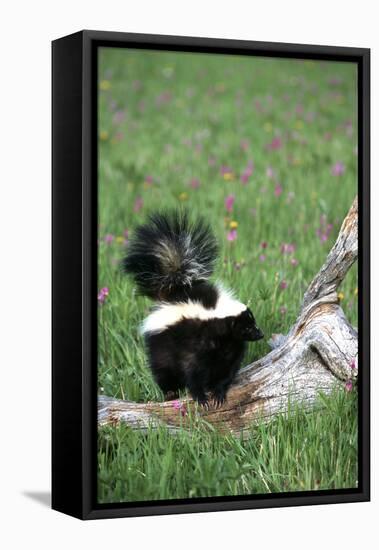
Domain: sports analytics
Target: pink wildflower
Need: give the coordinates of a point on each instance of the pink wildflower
(118, 117)
(287, 248)
(109, 238)
(324, 230)
(278, 190)
(247, 172)
(263, 244)
(163, 98)
(275, 144)
(244, 144)
(262, 258)
(229, 202)
(294, 262)
(138, 204)
(348, 385)
(283, 285)
(232, 235)
(194, 183)
(179, 406)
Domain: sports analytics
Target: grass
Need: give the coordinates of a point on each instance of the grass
(179, 130)
(298, 451)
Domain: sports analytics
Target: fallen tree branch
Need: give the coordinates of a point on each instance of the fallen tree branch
(318, 354)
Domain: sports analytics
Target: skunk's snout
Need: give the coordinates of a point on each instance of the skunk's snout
(259, 334)
(253, 334)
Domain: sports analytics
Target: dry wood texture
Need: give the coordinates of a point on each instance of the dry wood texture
(319, 352)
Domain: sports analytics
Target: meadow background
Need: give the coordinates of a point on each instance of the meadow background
(266, 150)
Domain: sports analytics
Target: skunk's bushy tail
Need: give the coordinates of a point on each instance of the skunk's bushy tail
(169, 253)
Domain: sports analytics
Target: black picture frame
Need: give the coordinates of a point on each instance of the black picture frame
(74, 271)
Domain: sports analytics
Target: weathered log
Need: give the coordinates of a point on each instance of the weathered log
(318, 354)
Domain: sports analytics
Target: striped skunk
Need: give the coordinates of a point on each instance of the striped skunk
(196, 334)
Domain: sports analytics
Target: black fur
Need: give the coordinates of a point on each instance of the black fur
(202, 356)
(169, 254)
(171, 259)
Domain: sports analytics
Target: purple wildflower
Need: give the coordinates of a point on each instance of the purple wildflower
(348, 385)
(102, 295)
(338, 169)
(262, 257)
(283, 285)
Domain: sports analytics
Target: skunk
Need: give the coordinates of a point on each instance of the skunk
(197, 332)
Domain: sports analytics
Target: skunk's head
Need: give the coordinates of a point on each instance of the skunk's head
(245, 328)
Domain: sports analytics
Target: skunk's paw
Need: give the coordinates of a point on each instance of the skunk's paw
(218, 399)
(204, 404)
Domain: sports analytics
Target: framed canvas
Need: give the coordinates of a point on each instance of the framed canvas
(210, 275)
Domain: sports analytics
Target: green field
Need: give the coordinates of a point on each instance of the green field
(265, 149)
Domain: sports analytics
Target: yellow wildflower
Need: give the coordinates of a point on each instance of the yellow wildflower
(356, 291)
(341, 296)
(183, 196)
(299, 125)
(104, 135)
(233, 225)
(120, 239)
(105, 85)
(267, 127)
(229, 176)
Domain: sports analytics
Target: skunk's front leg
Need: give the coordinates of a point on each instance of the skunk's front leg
(197, 391)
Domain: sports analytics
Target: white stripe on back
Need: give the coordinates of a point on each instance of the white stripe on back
(166, 315)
